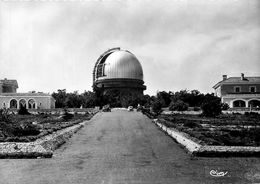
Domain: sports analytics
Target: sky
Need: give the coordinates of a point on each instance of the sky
(48, 45)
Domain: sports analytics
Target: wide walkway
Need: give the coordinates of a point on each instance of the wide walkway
(122, 147)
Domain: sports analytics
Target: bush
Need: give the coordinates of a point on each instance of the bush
(4, 115)
(67, 116)
(224, 106)
(23, 111)
(106, 108)
(26, 129)
(253, 114)
(157, 107)
(211, 107)
(179, 105)
(191, 124)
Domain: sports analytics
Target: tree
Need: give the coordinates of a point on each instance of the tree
(211, 106)
(193, 98)
(179, 105)
(157, 107)
(73, 100)
(89, 99)
(60, 98)
(146, 101)
(164, 98)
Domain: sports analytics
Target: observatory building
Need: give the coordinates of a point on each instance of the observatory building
(9, 98)
(119, 70)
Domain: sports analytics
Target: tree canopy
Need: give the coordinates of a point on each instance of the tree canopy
(115, 98)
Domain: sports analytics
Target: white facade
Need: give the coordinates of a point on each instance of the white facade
(29, 100)
(239, 92)
(10, 99)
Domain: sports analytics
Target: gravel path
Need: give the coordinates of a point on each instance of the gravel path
(121, 147)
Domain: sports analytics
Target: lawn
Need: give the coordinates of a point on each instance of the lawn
(227, 129)
(26, 128)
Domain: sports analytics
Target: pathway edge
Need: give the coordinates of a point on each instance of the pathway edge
(197, 149)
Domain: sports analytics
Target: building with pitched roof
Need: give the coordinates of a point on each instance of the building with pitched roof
(9, 98)
(239, 92)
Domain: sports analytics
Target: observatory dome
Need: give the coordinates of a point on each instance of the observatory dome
(122, 64)
(118, 71)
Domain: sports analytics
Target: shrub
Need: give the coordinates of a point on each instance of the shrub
(191, 124)
(27, 129)
(4, 115)
(106, 108)
(23, 111)
(224, 106)
(211, 107)
(253, 114)
(179, 105)
(67, 116)
(157, 107)
(147, 112)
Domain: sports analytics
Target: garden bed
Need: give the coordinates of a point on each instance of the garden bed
(28, 128)
(225, 130)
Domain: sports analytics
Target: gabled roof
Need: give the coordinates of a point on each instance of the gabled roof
(237, 80)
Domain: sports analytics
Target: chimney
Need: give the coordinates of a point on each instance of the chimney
(242, 76)
(224, 77)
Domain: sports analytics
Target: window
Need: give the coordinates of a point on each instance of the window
(31, 104)
(22, 103)
(101, 70)
(13, 104)
(239, 103)
(237, 89)
(252, 89)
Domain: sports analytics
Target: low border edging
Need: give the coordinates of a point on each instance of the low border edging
(42, 147)
(197, 149)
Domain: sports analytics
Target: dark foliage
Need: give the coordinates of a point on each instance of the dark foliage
(23, 111)
(211, 106)
(164, 98)
(4, 115)
(148, 113)
(106, 108)
(118, 98)
(192, 124)
(179, 105)
(252, 114)
(26, 130)
(192, 98)
(220, 133)
(60, 98)
(87, 99)
(157, 107)
(224, 106)
(67, 116)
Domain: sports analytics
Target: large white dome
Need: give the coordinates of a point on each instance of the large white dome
(122, 64)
